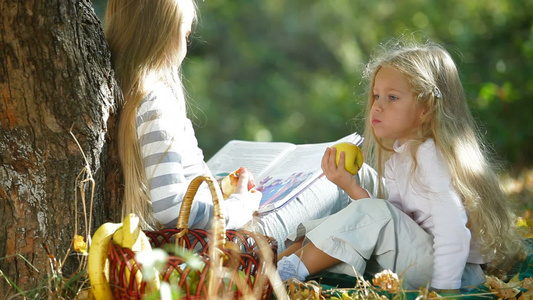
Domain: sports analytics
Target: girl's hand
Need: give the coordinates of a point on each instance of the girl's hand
(237, 182)
(245, 183)
(339, 175)
(242, 204)
(336, 174)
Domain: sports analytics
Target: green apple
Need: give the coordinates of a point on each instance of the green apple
(353, 157)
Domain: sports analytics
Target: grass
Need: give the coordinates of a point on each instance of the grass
(55, 286)
(519, 188)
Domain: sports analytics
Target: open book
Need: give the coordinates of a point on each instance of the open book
(281, 170)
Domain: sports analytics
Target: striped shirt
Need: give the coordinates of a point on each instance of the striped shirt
(172, 159)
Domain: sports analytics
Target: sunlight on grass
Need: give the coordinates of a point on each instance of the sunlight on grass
(518, 188)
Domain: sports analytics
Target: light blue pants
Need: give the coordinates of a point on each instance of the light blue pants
(371, 235)
(321, 199)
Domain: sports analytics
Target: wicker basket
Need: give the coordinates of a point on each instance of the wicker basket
(233, 261)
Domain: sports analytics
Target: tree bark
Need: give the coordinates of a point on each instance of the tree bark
(55, 75)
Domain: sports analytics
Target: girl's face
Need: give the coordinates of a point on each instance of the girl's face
(394, 114)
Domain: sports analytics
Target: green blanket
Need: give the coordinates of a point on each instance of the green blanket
(336, 284)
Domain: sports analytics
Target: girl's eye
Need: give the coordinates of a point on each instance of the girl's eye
(392, 97)
(376, 97)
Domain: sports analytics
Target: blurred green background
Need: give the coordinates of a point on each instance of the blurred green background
(279, 70)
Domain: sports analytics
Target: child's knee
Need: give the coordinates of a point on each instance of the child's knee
(371, 204)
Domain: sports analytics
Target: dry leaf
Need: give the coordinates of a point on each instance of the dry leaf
(425, 294)
(527, 283)
(387, 280)
(502, 290)
(527, 296)
(79, 244)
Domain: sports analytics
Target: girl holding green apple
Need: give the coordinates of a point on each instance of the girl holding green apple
(446, 221)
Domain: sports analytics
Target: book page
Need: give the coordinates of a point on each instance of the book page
(254, 156)
(295, 172)
(297, 168)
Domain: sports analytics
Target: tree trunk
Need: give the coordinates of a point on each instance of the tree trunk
(55, 77)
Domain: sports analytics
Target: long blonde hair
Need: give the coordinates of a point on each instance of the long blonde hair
(433, 77)
(143, 36)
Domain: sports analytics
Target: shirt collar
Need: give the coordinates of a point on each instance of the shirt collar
(399, 147)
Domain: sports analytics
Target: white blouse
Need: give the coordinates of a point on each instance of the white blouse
(430, 199)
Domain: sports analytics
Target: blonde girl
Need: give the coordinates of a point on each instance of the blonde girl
(157, 145)
(446, 220)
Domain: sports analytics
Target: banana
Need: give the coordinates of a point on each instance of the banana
(131, 229)
(97, 261)
(127, 234)
(144, 241)
(118, 236)
(153, 284)
(131, 236)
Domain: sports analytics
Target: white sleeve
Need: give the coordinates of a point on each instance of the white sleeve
(391, 186)
(369, 181)
(239, 209)
(449, 219)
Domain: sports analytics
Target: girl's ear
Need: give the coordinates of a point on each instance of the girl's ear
(422, 113)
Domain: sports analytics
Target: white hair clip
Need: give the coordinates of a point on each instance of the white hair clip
(437, 92)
